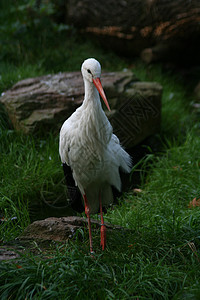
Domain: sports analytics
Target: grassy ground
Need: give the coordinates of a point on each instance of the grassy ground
(159, 257)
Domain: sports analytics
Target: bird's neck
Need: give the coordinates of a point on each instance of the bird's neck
(96, 122)
(91, 99)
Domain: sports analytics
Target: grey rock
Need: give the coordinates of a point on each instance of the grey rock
(59, 229)
(44, 103)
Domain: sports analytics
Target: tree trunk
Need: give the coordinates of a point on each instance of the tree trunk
(130, 26)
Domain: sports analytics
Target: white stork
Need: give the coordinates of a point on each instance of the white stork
(89, 147)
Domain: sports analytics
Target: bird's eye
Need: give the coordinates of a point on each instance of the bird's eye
(89, 71)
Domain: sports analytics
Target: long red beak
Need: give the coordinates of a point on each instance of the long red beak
(97, 83)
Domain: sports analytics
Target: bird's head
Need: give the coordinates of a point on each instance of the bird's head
(91, 71)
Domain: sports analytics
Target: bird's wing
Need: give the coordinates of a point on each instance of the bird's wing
(69, 136)
(64, 142)
(115, 139)
(74, 193)
(122, 158)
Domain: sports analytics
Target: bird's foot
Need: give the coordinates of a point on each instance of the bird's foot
(103, 236)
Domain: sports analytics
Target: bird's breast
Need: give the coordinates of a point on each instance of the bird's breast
(87, 165)
(86, 136)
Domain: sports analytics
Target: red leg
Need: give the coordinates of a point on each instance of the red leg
(103, 226)
(87, 212)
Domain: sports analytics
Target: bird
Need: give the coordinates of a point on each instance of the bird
(90, 150)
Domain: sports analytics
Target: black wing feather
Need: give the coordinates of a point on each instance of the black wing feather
(73, 191)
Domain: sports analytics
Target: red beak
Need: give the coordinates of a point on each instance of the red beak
(97, 83)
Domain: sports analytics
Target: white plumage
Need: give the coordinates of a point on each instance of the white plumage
(88, 145)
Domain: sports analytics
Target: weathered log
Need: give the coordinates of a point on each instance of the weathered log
(46, 233)
(130, 26)
(156, 53)
(44, 103)
(60, 229)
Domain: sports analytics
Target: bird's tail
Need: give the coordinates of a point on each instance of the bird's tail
(125, 161)
(74, 193)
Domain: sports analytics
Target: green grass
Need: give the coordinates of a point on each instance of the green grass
(158, 257)
(31, 174)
